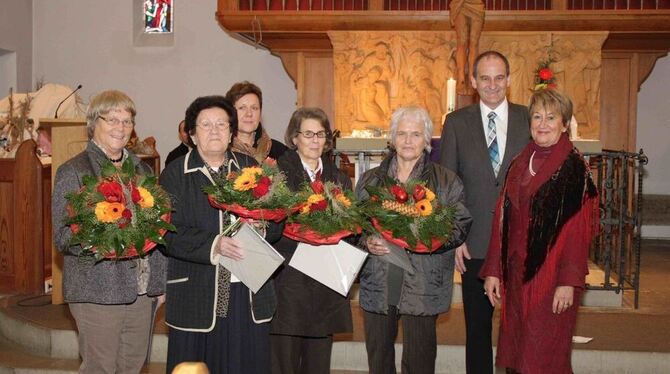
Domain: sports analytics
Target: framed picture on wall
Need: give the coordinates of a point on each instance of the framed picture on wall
(153, 23)
(158, 16)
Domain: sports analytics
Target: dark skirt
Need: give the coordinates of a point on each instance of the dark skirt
(236, 345)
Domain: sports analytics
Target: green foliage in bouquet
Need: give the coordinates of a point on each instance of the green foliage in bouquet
(410, 212)
(119, 215)
(327, 209)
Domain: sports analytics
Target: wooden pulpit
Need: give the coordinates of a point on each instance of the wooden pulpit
(68, 138)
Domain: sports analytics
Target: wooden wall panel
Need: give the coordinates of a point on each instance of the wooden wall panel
(6, 228)
(615, 101)
(317, 82)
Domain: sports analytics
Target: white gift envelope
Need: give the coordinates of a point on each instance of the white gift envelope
(334, 266)
(259, 262)
(398, 257)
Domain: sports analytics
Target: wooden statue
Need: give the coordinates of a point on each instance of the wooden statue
(467, 18)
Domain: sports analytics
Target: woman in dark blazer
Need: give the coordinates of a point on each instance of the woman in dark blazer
(213, 317)
(111, 301)
(308, 313)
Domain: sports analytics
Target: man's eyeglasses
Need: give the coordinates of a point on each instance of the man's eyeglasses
(310, 134)
(219, 126)
(127, 123)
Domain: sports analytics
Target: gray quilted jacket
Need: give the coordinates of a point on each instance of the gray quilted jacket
(428, 290)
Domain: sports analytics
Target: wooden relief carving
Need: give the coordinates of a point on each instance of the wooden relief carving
(576, 67)
(377, 72)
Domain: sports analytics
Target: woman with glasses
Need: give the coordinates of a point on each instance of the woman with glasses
(251, 138)
(308, 313)
(213, 317)
(111, 301)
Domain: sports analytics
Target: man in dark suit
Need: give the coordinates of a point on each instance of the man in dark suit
(182, 148)
(478, 143)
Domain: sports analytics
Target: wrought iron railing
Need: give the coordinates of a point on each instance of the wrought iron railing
(616, 248)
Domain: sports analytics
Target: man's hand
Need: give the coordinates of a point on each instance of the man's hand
(462, 252)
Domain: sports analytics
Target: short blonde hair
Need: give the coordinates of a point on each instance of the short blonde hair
(552, 99)
(105, 102)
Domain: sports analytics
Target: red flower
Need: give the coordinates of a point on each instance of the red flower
(260, 190)
(399, 193)
(112, 191)
(545, 74)
(419, 192)
(265, 180)
(135, 194)
(126, 216)
(317, 186)
(336, 191)
(320, 205)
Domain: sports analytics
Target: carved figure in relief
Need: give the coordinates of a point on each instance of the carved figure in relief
(524, 57)
(467, 18)
(370, 85)
(578, 71)
(371, 99)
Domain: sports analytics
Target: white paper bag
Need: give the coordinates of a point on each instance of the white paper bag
(334, 266)
(259, 262)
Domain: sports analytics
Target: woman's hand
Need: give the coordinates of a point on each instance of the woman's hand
(492, 290)
(376, 246)
(563, 299)
(230, 247)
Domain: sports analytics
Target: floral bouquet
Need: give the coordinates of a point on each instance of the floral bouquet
(409, 215)
(256, 192)
(326, 216)
(119, 215)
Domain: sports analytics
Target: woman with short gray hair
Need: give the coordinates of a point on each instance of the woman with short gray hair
(387, 293)
(111, 301)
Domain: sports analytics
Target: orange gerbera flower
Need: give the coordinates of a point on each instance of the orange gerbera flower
(430, 195)
(253, 170)
(245, 182)
(146, 199)
(108, 212)
(314, 199)
(424, 206)
(343, 199)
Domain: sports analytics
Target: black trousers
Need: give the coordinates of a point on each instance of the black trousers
(300, 354)
(478, 321)
(419, 343)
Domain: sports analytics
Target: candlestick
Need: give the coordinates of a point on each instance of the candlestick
(451, 95)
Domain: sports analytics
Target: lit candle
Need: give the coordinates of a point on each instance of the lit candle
(451, 95)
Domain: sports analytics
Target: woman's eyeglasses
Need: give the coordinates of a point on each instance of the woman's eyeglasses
(127, 123)
(310, 134)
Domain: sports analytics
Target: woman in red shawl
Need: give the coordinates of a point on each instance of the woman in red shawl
(537, 259)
